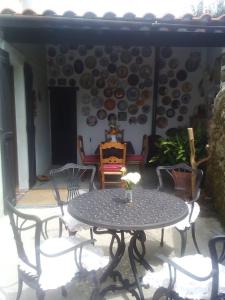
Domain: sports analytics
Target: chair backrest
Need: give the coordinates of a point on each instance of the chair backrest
(145, 146)
(112, 152)
(26, 230)
(80, 147)
(71, 180)
(119, 135)
(181, 175)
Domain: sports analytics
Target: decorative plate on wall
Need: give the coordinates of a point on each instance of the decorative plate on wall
(122, 105)
(108, 92)
(133, 94)
(126, 57)
(193, 62)
(183, 110)
(160, 110)
(104, 74)
(163, 79)
(186, 87)
(181, 75)
(86, 80)
(132, 120)
(170, 73)
(140, 102)
(101, 114)
(175, 104)
(90, 62)
(176, 93)
(145, 71)
(104, 61)
(173, 83)
(119, 93)
(146, 94)
(146, 108)
(170, 113)
(163, 90)
(112, 68)
(180, 118)
(94, 91)
(162, 122)
(85, 98)
(173, 63)
(166, 100)
(91, 121)
(95, 72)
(133, 109)
(112, 81)
(100, 83)
(133, 79)
(142, 119)
(78, 66)
(54, 71)
(134, 68)
(109, 104)
(122, 71)
(186, 98)
(97, 102)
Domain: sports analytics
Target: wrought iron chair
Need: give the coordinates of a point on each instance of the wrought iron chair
(68, 182)
(49, 263)
(112, 159)
(181, 177)
(90, 159)
(191, 276)
(139, 159)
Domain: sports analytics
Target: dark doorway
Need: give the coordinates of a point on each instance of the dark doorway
(63, 125)
(30, 94)
(7, 129)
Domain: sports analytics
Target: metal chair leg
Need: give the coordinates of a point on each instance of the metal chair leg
(20, 287)
(194, 237)
(183, 235)
(162, 237)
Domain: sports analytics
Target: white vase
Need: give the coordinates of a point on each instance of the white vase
(129, 195)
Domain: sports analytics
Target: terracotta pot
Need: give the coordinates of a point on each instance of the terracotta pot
(182, 182)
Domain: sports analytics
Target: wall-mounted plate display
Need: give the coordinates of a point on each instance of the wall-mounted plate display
(104, 61)
(146, 51)
(163, 90)
(60, 59)
(91, 121)
(140, 102)
(176, 93)
(122, 105)
(186, 87)
(186, 98)
(108, 92)
(112, 68)
(183, 110)
(85, 111)
(175, 104)
(119, 93)
(112, 81)
(180, 118)
(146, 108)
(133, 79)
(181, 75)
(97, 102)
(133, 109)
(146, 94)
(122, 71)
(163, 79)
(95, 72)
(170, 73)
(67, 70)
(166, 52)
(170, 112)
(193, 62)
(109, 104)
(145, 71)
(101, 114)
(166, 100)
(90, 62)
(133, 94)
(162, 122)
(104, 74)
(78, 66)
(142, 119)
(86, 81)
(126, 57)
(134, 68)
(160, 110)
(132, 120)
(173, 63)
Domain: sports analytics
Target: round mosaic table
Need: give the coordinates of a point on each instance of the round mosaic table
(109, 213)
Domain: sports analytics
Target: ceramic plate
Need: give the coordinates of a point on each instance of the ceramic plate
(122, 105)
(119, 93)
(176, 93)
(186, 87)
(134, 68)
(85, 111)
(97, 102)
(112, 81)
(104, 74)
(170, 73)
(186, 98)
(133, 79)
(109, 104)
(180, 118)
(86, 81)
(146, 108)
(163, 79)
(112, 68)
(95, 72)
(133, 94)
(181, 75)
(54, 71)
(142, 119)
(163, 90)
(67, 70)
(90, 62)
(175, 104)
(104, 61)
(108, 92)
(166, 100)
(85, 98)
(126, 57)
(170, 113)
(146, 94)
(101, 114)
(94, 91)
(122, 71)
(183, 110)
(162, 122)
(132, 120)
(91, 121)
(145, 71)
(173, 83)
(133, 109)
(161, 110)
(193, 62)
(173, 63)
(100, 83)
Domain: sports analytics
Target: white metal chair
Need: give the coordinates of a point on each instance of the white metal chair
(49, 263)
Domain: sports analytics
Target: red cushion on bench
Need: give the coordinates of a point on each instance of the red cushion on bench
(135, 157)
(91, 158)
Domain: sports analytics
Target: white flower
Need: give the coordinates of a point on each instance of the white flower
(131, 179)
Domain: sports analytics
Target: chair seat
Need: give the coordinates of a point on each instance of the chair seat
(135, 158)
(91, 159)
(185, 286)
(111, 167)
(72, 223)
(60, 270)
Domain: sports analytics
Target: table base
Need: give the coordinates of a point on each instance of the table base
(135, 255)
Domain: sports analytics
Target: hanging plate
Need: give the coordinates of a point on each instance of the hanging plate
(100, 83)
(122, 71)
(181, 75)
(94, 91)
(166, 100)
(170, 113)
(97, 102)
(133, 79)
(126, 57)
(173, 83)
(176, 93)
(112, 68)
(146, 108)
(162, 122)
(90, 62)
(108, 92)
(86, 80)
(163, 90)
(132, 120)
(186, 87)
(101, 114)
(183, 110)
(133, 94)
(160, 110)
(142, 119)
(85, 111)
(175, 104)
(60, 59)
(109, 104)
(173, 63)
(180, 118)
(91, 121)
(122, 105)
(186, 98)
(145, 71)
(146, 94)
(67, 70)
(112, 81)
(163, 79)
(119, 93)
(133, 109)
(104, 61)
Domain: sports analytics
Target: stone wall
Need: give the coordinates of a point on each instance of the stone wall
(216, 165)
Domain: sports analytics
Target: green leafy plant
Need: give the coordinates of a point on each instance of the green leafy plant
(175, 149)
